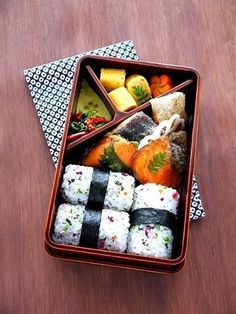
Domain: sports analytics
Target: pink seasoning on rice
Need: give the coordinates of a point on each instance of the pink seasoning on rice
(101, 244)
(175, 195)
(148, 231)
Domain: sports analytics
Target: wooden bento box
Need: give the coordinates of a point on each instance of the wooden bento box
(89, 220)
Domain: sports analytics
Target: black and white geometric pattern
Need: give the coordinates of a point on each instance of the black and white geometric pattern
(50, 87)
(196, 211)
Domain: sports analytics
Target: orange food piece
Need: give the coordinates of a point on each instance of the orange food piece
(160, 84)
(165, 80)
(125, 151)
(151, 164)
(163, 89)
(92, 158)
(155, 90)
(155, 79)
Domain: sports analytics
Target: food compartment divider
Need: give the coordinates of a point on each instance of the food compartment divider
(147, 70)
(125, 114)
(97, 88)
(102, 90)
(73, 150)
(120, 116)
(81, 73)
(179, 74)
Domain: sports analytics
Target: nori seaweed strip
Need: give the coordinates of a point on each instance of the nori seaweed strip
(149, 215)
(90, 228)
(98, 188)
(93, 209)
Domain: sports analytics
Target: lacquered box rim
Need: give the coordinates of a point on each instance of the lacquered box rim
(176, 268)
(181, 258)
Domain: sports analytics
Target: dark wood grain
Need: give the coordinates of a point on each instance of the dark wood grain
(195, 33)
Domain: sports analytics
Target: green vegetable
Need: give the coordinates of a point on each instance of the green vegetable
(166, 239)
(140, 93)
(99, 125)
(92, 113)
(89, 101)
(112, 161)
(66, 227)
(77, 126)
(157, 162)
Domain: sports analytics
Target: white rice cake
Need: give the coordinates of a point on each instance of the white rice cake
(150, 240)
(76, 184)
(114, 229)
(156, 196)
(68, 224)
(120, 191)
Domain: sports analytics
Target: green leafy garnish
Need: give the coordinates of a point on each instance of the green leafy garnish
(111, 160)
(157, 162)
(141, 94)
(134, 143)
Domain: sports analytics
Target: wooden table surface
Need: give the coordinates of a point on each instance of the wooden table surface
(195, 33)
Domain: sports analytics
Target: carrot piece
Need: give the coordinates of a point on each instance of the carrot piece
(151, 164)
(156, 91)
(165, 88)
(155, 79)
(153, 86)
(161, 84)
(165, 80)
(125, 151)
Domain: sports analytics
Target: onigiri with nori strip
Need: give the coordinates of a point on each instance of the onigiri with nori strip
(77, 181)
(68, 224)
(151, 232)
(113, 229)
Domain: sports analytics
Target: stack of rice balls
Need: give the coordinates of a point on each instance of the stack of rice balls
(107, 210)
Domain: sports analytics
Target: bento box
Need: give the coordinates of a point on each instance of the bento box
(121, 193)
